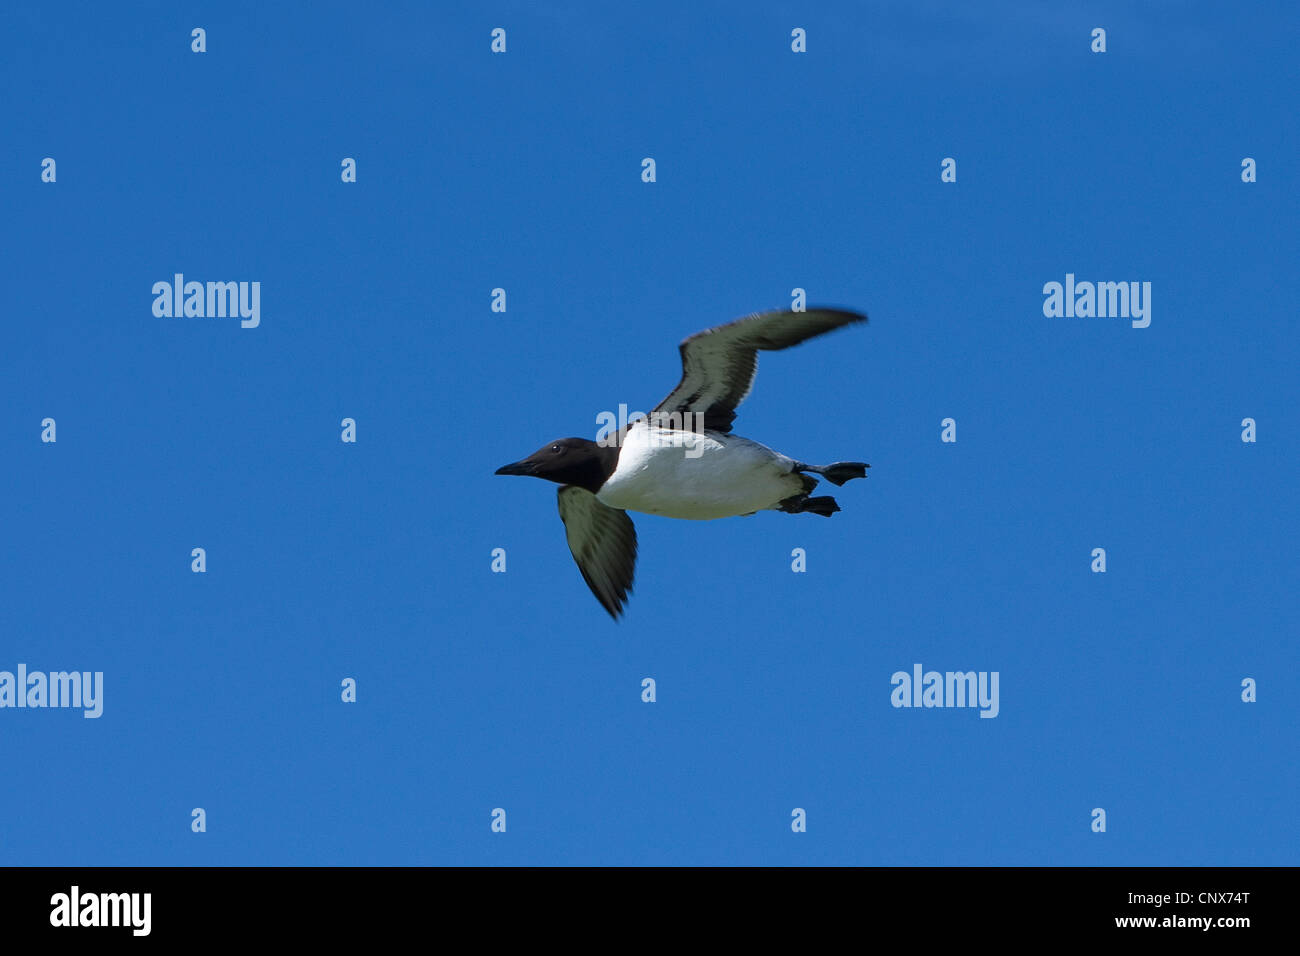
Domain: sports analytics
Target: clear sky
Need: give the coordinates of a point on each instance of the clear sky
(775, 170)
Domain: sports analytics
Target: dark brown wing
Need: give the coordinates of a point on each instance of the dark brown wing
(603, 543)
(719, 364)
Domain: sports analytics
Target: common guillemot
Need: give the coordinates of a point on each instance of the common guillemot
(678, 471)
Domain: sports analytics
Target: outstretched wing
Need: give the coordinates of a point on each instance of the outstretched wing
(603, 543)
(718, 365)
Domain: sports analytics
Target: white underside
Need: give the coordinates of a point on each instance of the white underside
(699, 477)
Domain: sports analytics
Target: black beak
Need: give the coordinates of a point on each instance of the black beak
(518, 468)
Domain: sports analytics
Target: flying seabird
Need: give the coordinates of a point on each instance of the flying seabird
(683, 461)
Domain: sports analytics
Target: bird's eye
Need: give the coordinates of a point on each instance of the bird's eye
(555, 448)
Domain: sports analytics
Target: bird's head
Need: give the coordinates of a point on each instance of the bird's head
(568, 461)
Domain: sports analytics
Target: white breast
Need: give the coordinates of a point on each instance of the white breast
(683, 475)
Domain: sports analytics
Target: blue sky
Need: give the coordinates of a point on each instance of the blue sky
(775, 170)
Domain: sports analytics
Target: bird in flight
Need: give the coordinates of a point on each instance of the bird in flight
(683, 460)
